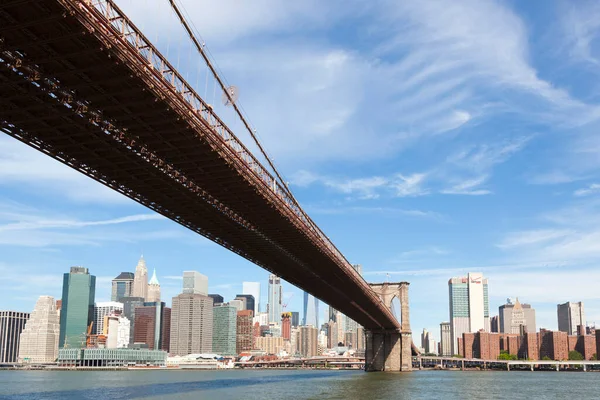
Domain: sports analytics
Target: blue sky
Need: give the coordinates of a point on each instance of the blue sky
(427, 139)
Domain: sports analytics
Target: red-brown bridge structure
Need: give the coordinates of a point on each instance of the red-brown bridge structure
(82, 84)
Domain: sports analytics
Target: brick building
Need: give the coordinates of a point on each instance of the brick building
(483, 345)
(244, 334)
(553, 344)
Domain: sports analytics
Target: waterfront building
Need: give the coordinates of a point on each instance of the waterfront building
(140, 280)
(153, 325)
(217, 299)
(153, 288)
(77, 312)
(122, 286)
(111, 357)
(129, 306)
(311, 310)
(307, 341)
(249, 301)
(224, 329)
(553, 344)
(39, 339)
(11, 326)
(191, 324)
(269, 344)
(123, 332)
(275, 295)
(253, 288)
(103, 309)
(469, 306)
(445, 340)
(195, 283)
(570, 316)
(286, 325)
(517, 317)
(295, 319)
(244, 333)
(583, 344)
(482, 345)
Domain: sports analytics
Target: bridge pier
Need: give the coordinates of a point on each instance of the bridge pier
(390, 350)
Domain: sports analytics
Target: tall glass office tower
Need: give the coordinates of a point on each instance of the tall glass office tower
(311, 310)
(77, 312)
(469, 306)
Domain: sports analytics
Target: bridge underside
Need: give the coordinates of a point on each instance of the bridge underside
(75, 88)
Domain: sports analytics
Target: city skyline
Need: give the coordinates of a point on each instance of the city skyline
(490, 166)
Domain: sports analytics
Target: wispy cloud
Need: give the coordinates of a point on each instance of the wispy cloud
(581, 27)
(386, 211)
(590, 189)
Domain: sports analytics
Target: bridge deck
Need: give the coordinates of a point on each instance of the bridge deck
(83, 85)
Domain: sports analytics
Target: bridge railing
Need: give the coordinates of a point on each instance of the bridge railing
(123, 32)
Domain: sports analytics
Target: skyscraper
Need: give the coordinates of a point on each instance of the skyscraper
(77, 310)
(11, 326)
(217, 298)
(195, 283)
(192, 317)
(153, 288)
(122, 286)
(512, 316)
(140, 280)
(39, 339)
(153, 325)
(332, 314)
(469, 306)
(244, 336)
(103, 309)
(275, 295)
(224, 329)
(570, 315)
(129, 306)
(295, 318)
(249, 299)
(253, 288)
(307, 341)
(311, 310)
(286, 325)
(445, 340)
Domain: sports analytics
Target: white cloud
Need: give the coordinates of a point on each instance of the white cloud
(590, 189)
(526, 238)
(468, 187)
(581, 27)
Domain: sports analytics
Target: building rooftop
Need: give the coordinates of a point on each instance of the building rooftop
(125, 275)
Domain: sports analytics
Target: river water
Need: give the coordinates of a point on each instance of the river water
(288, 385)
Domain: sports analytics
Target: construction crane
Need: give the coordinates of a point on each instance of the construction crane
(284, 306)
(88, 336)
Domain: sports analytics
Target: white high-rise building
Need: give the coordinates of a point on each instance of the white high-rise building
(570, 315)
(275, 295)
(262, 319)
(140, 280)
(445, 340)
(39, 339)
(253, 288)
(195, 283)
(123, 332)
(103, 309)
(153, 288)
(469, 306)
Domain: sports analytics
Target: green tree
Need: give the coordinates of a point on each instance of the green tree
(546, 358)
(574, 355)
(504, 355)
(594, 356)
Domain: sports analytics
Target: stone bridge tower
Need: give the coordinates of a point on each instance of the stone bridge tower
(390, 350)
